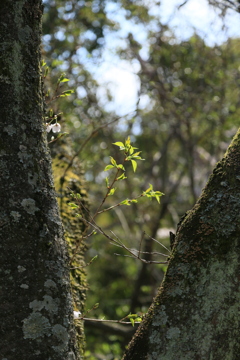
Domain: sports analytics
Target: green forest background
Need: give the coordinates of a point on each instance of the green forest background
(192, 94)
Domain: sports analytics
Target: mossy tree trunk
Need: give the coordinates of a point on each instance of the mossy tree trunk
(66, 180)
(36, 314)
(195, 315)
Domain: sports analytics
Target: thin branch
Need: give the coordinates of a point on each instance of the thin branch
(140, 245)
(109, 321)
(158, 242)
(184, 3)
(143, 260)
(119, 243)
(106, 195)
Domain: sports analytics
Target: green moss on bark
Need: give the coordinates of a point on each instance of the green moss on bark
(73, 226)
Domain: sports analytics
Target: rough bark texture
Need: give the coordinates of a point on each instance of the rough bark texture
(73, 179)
(36, 314)
(195, 315)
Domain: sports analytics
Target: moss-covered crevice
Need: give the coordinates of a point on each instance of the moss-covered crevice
(196, 312)
(73, 226)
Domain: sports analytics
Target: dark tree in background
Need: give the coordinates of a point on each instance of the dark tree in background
(36, 314)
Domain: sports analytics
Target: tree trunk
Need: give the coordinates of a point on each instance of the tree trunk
(62, 155)
(36, 314)
(195, 315)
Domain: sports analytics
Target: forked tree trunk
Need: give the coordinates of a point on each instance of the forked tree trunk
(195, 315)
(36, 315)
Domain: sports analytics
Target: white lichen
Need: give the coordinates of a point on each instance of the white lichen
(60, 332)
(54, 216)
(50, 284)
(15, 215)
(10, 130)
(24, 286)
(173, 333)
(29, 206)
(48, 303)
(36, 326)
(21, 268)
(32, 179)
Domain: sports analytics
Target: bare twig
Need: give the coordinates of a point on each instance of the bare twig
(118, 242)
(109, 321)
(158, 242)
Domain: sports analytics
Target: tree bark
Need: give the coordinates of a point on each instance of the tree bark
(36, 314)
(74, 228)
(195, 315)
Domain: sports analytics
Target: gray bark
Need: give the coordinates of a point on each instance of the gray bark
(36, 315)
(195, 315)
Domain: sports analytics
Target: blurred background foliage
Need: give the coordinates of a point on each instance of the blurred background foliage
(187, 114)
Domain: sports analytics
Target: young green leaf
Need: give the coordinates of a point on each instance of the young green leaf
(46, 71)
(113, 161)
(125, 202)
(73, 206)
(137, 153)
(134, 165)
(120, 166)
(122, 177)
(108, 167)
(61, 78)
(128, 142)
(112, 191)
(120, 144)
(67, 93)
(94, 258)
(131, 150)
(107, 180)
(64, 80)
(149, 189)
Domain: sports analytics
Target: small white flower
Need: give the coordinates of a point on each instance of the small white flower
(56, 128)
(76, 314)
(49, 127)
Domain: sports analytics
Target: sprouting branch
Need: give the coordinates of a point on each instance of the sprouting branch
(95, 131)
(119, 204)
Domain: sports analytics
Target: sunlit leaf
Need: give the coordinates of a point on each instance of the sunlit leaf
(113, 161)
(106, 179)
(119, 143)
(134, 165)
(125, 202)
(122, 177)
(64, 80)
(108, 167)
(112, 191)
(120, 166)
(132, 321)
